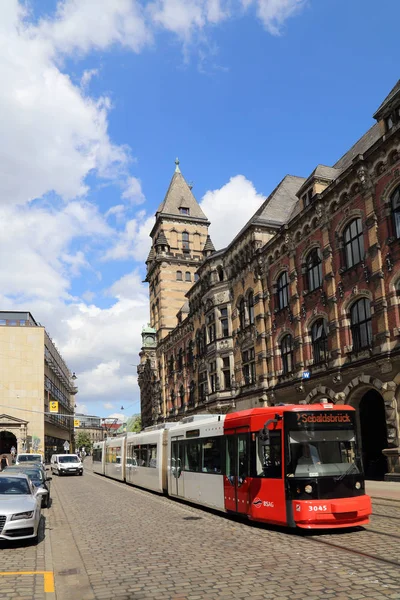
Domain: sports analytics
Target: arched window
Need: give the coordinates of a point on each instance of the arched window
(179, 275)
(282, 290)
(196, 277)
(395, 200)
(242, 317)
(220, 272)
(251, 307)
(361, 324)
(353, 243)
(192, 391)
(287, 354)
(185, 241)
(190, 354)
(172, 399)
(314, 270)
(182, 396)
(188, 276)
(180, 360)
(319, 340)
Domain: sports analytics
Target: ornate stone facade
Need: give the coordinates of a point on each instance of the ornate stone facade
(303, 305)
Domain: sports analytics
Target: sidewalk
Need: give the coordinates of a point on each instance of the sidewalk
(389, 490)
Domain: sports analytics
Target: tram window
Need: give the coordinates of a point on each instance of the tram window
(211, 455)
(152, 456)
(97, 455)
(319, 453)
(134, 455)
(230, 456)
(142, 456)
(193, 456)
(269, 457)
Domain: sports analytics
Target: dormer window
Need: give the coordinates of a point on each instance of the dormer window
(389, 123)
(184, 210)
(308, 197)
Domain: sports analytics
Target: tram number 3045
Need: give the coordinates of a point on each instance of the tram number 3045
(322, 507)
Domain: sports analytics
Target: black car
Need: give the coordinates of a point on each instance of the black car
(38, 477)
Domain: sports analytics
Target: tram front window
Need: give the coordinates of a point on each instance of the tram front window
(322, 453)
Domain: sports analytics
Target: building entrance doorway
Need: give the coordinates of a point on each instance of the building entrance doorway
(7, 441)
(373, 435)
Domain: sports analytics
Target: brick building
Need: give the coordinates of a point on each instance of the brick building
(302, 305)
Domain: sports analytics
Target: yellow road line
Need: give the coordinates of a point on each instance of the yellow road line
(47, 576)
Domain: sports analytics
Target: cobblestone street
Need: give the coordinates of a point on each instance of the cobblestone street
(105, 540)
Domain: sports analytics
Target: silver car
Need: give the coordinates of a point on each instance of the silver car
(20, 507)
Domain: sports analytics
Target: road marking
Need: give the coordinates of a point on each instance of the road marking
(47, 576)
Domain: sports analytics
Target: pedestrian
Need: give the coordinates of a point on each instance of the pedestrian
(13, 452)
(3, 462)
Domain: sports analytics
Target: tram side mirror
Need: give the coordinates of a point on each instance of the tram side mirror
(264, 437)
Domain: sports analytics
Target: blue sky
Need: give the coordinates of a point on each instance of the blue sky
(99, 97)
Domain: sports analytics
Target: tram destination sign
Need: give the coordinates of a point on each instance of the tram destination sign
(320, 419)
(192, 433)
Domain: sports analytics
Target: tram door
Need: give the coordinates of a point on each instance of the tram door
(237, 477)
(177, 463)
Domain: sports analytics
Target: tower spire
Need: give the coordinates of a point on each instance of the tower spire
(177, 169)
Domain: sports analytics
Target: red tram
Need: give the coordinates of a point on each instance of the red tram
(296, 465)
(291, 465)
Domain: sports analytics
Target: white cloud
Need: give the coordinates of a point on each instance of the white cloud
(273, 13)
(108, 405)
(183, 17)
(134, 241)
(84, 25)
(87, 76)
(133, 191)
(229, 208)
(117, 417)
(54, 134)
(81, 409)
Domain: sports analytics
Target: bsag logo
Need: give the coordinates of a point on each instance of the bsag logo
(266, 503)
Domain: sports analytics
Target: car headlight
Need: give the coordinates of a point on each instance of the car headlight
(24, 515)
(308, 489)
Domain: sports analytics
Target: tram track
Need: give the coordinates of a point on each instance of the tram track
(374, 557)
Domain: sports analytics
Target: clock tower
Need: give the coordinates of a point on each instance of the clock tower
(178, 239)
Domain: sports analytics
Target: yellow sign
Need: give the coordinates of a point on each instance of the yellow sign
(53, 406)
(77, 423)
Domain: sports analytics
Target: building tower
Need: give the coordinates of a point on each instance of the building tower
(178, 239)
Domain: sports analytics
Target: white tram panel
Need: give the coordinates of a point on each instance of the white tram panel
(201, 487)
(98, 457)
(143, 459)
(115, 458)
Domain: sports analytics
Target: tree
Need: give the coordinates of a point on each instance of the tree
(82, 438)
(134, 424)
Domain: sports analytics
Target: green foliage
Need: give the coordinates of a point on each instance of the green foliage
(134, 424)
(83, 439)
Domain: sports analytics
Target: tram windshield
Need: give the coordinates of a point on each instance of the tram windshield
(322, 453)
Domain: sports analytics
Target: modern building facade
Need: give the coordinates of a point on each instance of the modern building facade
(302, 305)
(32, 375)
(91, 425)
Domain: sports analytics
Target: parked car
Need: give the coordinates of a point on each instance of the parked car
(26, 457)
(66, 464)
(20, 507)
(38, 477)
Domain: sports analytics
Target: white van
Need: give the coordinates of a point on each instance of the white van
(66, 464)
(26, 458)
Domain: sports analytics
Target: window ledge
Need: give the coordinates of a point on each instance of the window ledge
(348, 270)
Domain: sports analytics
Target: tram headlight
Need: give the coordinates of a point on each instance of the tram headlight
(308, 489)
(357, 485)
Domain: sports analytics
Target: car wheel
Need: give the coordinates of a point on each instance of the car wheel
(81, 474)
(45, 502)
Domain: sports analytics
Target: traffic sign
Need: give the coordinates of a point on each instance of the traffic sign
(53, 406)
(306, 374)
(66, 446)
(77, 423)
